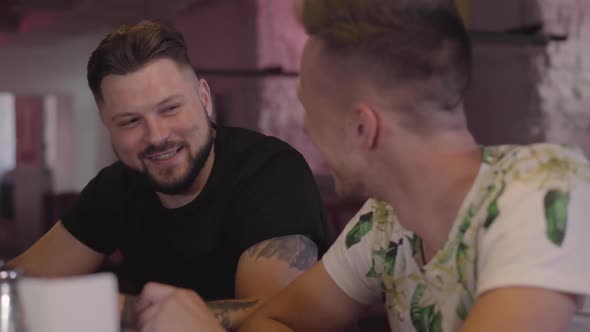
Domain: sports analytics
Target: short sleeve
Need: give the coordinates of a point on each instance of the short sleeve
(349, 259)
(280, 198)
(91, 218)
(540, 239)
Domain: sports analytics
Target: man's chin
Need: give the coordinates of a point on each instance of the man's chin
(171, 185)
(171, 188)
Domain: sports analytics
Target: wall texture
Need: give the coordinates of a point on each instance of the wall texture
(280, 42)
(564, 72)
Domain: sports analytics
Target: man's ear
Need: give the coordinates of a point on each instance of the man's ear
(205, 96)
(367, 124)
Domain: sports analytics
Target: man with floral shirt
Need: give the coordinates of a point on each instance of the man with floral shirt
(457, 237)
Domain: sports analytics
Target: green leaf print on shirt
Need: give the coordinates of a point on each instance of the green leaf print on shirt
(461, 262)
(364, 226)
(462, 311)
(415, 243)
(556, 205)
(372, 272)
(390, 258)
(466, 299)
(493, 210)
(424, 319)
(446, 256)
(385, 256)
(487, 156)
(493, 213)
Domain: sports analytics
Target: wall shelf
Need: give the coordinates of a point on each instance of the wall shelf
(524, 35)
(246, 73)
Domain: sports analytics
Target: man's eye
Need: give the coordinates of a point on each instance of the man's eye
(171, 110)
(128, 123)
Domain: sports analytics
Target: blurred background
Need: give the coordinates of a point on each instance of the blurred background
(531, 83)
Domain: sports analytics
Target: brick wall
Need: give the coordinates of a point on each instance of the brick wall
(280, 42)
(564, 72)
(520, 93)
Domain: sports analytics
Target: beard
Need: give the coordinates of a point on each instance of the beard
(179, 184)
(184, 181)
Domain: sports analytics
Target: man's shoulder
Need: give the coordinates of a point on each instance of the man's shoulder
(240, 140)
(537, 165)
(246, 149)
(546, 174)
(532, 154)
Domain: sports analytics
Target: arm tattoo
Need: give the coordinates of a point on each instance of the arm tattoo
(128, 312)
(297, 250)
(224, 310)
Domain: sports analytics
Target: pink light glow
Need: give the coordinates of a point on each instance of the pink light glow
(37, 20)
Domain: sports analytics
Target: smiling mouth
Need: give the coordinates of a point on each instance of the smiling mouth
(164, 155)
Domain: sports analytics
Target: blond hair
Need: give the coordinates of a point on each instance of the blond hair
(397, 41)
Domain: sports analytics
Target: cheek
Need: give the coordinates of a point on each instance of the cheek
(188, 130)
(189, 124)
(311, 128)
(323, 142)
(127, 143)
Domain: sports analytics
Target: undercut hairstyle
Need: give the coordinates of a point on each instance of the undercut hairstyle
(397, 42)
(129, 48)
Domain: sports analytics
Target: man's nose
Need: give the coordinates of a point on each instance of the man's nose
(156, 131)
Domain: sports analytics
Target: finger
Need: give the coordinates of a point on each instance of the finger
(188, 297)
(156, 291)
(154, 326)
(146, 316)
(152, 293)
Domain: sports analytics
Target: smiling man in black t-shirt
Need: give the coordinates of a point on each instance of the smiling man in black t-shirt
(225, 212)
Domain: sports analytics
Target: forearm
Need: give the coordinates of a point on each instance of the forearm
(232, 313)
(58, 254)
(313, 302)
(261, 323)
(127, 310)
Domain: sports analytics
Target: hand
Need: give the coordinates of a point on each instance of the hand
(165, 308)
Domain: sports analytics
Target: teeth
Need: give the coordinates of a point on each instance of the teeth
(164, 156)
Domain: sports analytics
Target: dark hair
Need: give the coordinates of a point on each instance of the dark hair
(397, 41)
(129, 48)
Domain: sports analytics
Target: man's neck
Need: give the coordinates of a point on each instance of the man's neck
(429, 188)
(178, 200)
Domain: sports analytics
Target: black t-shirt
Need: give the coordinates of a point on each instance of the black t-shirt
(259, 188)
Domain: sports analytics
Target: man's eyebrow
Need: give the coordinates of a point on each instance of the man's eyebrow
(159, 104)
(123, 115)
(169, 99)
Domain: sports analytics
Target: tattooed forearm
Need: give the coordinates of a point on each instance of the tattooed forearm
(232, 312)
(297, 250)
(128, 311)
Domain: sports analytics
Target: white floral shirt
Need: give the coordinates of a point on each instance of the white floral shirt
(525, 222)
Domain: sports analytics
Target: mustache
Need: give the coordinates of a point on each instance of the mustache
(154, 149)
